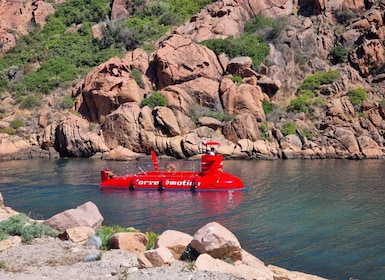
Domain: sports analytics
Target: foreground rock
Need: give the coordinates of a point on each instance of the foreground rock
(213, 252)
(86, 214)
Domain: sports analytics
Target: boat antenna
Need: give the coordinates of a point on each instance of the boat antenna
(155, 161)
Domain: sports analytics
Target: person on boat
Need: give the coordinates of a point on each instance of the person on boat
(212, 151)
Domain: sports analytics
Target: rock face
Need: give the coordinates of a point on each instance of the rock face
(198, 85)
(86, 214)
(17, 16)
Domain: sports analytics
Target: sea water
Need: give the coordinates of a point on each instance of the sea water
(323, 217)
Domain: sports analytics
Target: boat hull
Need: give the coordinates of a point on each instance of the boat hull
(187, 181)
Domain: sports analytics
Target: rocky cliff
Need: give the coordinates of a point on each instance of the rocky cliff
(112, 123)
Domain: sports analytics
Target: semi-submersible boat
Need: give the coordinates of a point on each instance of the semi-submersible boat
(211, 177)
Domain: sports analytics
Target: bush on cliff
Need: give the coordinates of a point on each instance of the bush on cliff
(314, 82)
(305, 102)
(22, 226)
(357, 96)
(246, 45)
(155, 99)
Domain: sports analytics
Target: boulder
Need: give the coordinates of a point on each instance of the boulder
(281, 273)
(206, 262)
(133, 242)
(243, 126)
(104, 89)
(155, 258)
(79, 234)
(217, 241)
(242, 98)
(175, 241)
(166, 121)
(12, 144)
(348, 143)
(179, 59)
(86, 214)
(77, 137)
(121, 127)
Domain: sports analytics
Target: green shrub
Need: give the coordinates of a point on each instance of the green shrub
(246, 45)
(237, 79)
(339, 54)
(300, 104)
(155, 99)
(313, 82)
(357, 96)
(268, 28)
(267, 106)
(67, 101)
(306, 133)
(37, 230)
(265, 129)
(289, 127)
(137, 76)
(201, 111)
(30, 102)
(152, 237)
(305, 102)
(105, 233)
(8, 130)
(16, 123)
(21, 225)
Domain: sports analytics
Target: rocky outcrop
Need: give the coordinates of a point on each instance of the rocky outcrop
(16, 17)
(199, 85)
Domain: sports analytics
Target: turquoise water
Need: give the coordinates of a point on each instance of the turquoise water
(324, 217)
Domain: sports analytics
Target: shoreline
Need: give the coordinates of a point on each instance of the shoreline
(53, 258)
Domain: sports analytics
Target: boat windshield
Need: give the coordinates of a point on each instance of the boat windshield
(178, 165)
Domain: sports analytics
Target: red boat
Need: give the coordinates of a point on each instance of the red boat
(211, 177)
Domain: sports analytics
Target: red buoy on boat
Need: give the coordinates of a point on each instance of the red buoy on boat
(211, 177)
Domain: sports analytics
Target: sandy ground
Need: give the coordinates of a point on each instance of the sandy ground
(51, 258)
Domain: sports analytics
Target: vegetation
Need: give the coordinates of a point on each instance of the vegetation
(267, 28)
(216, 113)
(313, 82)
(8, 130)
(289, 127)
(252, 42)
(155, 99)
(64, 50)
(267, 106)
(152, 237)
(237, 79)
(66, 102)
(265, 129)
(105, 233)
(137, 76)
(305, 102)
(16, 123)
(338, 54)
(22, 226)
(357, 96)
